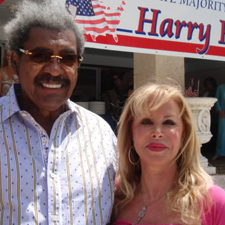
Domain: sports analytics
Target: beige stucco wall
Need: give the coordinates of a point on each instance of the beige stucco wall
(157, 68)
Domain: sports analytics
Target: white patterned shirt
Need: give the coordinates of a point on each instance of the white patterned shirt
(64, 179)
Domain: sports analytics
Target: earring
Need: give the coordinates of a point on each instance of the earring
(129, 157)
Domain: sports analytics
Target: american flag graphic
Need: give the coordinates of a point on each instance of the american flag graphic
(96, 17)
(190, 93)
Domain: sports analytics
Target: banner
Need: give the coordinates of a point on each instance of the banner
(186, 28)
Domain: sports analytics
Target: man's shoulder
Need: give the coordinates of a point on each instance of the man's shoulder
(86, 114)
(8, 103)
(1, 100)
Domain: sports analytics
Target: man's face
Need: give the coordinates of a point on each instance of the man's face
(47, 85)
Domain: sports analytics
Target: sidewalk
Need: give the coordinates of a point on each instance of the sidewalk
(209, 152)
(219, 164)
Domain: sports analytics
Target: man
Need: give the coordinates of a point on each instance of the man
(57, 159)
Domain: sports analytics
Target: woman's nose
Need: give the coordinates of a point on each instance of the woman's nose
(157, 132)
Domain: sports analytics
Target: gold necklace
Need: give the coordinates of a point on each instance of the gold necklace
(141, 214)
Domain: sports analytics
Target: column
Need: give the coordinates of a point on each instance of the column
(157, 68)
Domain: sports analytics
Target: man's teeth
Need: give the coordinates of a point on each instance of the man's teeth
(52, 85)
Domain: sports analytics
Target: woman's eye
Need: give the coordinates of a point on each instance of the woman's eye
(169, 122)
(146, 122)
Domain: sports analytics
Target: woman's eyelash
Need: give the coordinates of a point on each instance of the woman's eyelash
(169, 122)
(146, 121)
(149, 122)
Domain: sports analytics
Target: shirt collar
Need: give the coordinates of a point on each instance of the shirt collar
(9, 104)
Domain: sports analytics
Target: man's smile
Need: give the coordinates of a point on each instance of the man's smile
(53, 86)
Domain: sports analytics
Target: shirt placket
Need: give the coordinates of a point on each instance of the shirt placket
(42, 137)
(53, 174)
(53, 189)
(44, 142)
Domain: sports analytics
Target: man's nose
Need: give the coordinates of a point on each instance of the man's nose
(53, 67)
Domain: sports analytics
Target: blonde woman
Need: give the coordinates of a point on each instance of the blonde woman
(160, 179)
(7, 74)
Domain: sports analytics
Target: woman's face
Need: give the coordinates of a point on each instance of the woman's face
(158, 138)
(208, 85)
(8, 55)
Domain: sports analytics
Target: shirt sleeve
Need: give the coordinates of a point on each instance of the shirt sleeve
(216, 216)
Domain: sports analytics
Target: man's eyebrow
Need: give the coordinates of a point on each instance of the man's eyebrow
(71, 51)
(41, 48)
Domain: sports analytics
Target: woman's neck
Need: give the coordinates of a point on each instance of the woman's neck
(155, 183)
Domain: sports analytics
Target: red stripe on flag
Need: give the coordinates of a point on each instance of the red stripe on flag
(98, 6)
(120, 8)
(114, 22)
(99, 30)
(107, 14)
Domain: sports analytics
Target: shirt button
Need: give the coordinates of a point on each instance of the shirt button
(23, 113)
(52, 175)
(45, 140)
(55, 218)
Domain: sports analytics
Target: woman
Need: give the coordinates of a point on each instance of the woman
(210, 86)
(160, 179)
(7, 74)
(220, 105)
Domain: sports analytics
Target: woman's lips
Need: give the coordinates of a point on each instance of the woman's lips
(156, 147)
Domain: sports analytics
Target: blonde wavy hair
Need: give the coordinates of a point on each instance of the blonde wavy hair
(190, 195)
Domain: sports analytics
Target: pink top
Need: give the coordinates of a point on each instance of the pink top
(129, 223)
(216, 216)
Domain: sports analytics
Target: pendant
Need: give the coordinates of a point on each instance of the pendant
(141, 214)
